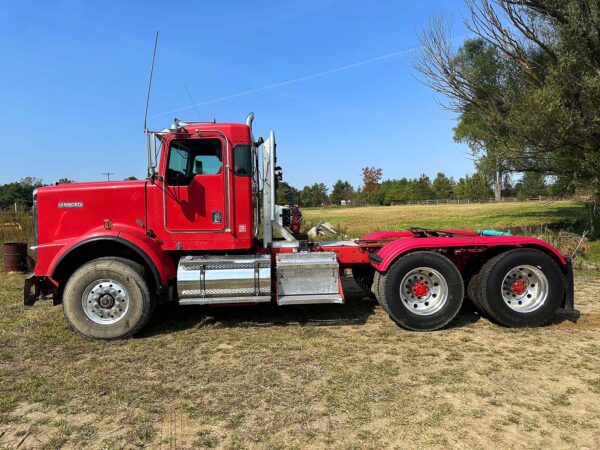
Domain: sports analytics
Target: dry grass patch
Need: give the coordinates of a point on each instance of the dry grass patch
(318, 376)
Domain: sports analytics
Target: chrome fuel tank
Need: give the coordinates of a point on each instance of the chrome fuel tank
(224, 279)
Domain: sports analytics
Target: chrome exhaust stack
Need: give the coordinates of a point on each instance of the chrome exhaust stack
(268, 156)
(249, 120)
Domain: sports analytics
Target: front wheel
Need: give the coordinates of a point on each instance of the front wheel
(521, 288)
(107, 298)
(422, 291)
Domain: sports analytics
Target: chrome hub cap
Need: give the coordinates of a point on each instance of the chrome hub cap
(525, 289)
(105, 302)
(424, 291)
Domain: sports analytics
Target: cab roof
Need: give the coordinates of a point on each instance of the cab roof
(237, 132)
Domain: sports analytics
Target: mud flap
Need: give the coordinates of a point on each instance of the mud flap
(30, 298)
(567, 310)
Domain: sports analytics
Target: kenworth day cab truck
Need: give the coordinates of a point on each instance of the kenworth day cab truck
(204, 229)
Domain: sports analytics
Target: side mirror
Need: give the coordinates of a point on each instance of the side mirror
(152, 154)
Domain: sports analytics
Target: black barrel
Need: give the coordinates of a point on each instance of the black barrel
(15, 257)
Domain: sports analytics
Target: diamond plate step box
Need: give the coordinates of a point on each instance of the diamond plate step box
(307, 278)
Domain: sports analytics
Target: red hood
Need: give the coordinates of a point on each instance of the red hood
(81, 209)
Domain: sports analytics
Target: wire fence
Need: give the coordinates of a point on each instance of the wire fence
(466, 201)
(457, 201)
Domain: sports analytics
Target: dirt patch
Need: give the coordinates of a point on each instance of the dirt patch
(589, 321)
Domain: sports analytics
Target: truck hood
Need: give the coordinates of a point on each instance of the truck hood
(81, 209)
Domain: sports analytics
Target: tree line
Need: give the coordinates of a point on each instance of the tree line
(374, 191)
(20, 193)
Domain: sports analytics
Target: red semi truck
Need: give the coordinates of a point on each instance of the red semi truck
(204, 229)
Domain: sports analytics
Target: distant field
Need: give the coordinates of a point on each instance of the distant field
(16, 227)
(503, 216)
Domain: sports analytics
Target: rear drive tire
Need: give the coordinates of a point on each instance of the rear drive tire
(378, 291)
(521, 288)
(108, 298)
(473, 290)
(422, 291)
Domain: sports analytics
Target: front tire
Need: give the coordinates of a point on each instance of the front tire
(108, 298)
(422, 291)
(521, 288)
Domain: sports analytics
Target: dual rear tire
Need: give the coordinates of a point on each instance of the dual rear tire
(519, 288)
(423, 291)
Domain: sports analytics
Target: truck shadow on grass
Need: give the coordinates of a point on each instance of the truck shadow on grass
(356, 311)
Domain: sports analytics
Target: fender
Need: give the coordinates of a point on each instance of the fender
(391, 251)
(151, 254)
(152, 247)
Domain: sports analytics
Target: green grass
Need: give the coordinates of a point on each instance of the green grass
(592, 253)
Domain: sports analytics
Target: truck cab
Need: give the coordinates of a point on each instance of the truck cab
(203, 193)
(204, 229)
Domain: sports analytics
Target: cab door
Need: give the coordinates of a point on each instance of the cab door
(195, 190)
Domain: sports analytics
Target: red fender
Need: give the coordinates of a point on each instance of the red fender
(53, 253)
(151, 247)
(148, 248)
(391, 251)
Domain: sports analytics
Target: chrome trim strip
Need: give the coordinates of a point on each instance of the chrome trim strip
(225, 300)
(309, 299)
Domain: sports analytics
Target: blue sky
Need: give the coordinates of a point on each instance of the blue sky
(74, 78)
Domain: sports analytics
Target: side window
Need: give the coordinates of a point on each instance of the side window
(178, 162)
(242, 160)
(191, 157)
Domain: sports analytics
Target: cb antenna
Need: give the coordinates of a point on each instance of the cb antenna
(150, 83)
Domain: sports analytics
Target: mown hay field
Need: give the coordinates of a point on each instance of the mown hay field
(322, 376)
(518, 216)
(558, 222)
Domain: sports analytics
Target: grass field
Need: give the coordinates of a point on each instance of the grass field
(527, 216)
(316, 376)
(538, 219)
